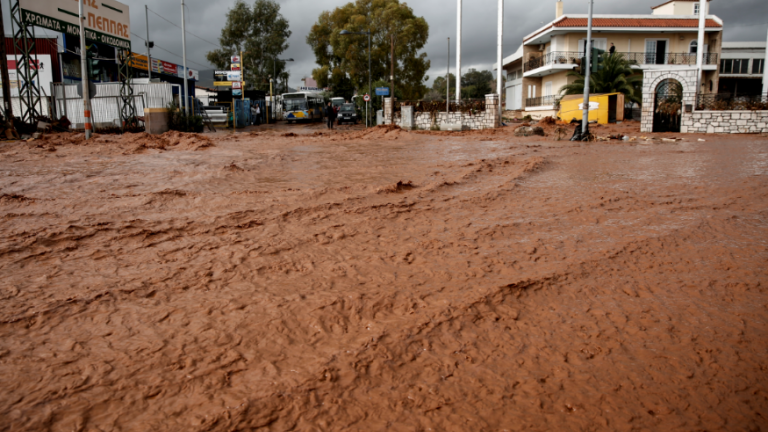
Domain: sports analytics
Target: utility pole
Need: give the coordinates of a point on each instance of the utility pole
(242, 78)
(587, 74)
(85, 81)
(7, 106)
(184, 58)
(448, 81)
(392, 80)
(499, 55)
(700, 45)
(458, 54)
(765, 72)
(149, 44)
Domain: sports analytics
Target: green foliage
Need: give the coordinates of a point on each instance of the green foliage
(476, 84)
(178, 121)
(262, 33)
(439, 85)
(343, 58)
(616, 76)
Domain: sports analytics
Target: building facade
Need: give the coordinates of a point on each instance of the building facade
(666, 39)
(741, 68)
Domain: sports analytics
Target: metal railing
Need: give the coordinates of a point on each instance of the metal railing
(541, 101)
(729, 102)
(575, 58)
(555, 57)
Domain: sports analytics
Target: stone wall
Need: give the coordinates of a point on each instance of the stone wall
(487, 119)
(725, 122)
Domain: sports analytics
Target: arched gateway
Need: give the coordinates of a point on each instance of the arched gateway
(665, 97)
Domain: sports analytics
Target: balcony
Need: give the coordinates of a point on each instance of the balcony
(557, 61)
(542, 102)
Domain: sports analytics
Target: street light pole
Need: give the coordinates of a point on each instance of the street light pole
(458, 55)
(184, 58)
(149, 54)
(448, 81)
(587, 74)
(499, 54)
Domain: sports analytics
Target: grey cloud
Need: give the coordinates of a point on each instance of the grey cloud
(745, 20)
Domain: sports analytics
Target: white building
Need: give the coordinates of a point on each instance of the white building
(741, 68)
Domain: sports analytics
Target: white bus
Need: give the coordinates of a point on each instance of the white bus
(306, 106)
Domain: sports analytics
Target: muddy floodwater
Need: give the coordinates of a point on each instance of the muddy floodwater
(383, 281)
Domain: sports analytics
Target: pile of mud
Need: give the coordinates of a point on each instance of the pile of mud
(130, 143)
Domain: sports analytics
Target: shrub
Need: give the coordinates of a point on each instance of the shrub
(178, 121)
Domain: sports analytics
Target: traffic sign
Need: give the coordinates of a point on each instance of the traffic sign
(367, 98)
(382, 91)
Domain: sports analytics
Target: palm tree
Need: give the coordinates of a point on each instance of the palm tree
(616, 76)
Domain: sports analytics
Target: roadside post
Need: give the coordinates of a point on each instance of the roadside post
(367, 99)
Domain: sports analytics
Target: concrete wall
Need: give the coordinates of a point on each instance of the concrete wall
(734, 122)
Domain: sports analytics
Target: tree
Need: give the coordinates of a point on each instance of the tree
(439, 85)
(346, 57)
(476, 84)
(616, 76)
(262, 32)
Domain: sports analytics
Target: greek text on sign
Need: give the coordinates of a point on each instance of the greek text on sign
(382, 91)
(107, 21)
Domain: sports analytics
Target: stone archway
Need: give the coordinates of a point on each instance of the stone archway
(651, 80)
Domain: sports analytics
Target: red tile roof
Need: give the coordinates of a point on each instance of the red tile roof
(635, 22)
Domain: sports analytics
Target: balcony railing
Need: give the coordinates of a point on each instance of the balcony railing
(541, 101)
(574, 58)
(555, 57)
(729, 102)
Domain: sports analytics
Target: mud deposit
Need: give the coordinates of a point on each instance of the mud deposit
(384, 280)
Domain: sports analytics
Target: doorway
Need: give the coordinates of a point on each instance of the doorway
(668, 107)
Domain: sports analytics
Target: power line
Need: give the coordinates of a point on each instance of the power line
(159, 47)
(188, 32)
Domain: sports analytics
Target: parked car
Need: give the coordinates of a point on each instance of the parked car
(347, 114)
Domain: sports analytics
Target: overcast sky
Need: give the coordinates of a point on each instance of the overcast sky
(745, 20)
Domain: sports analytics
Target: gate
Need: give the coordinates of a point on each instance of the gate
(668, 108)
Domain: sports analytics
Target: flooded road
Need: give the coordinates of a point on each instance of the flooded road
(383, 280)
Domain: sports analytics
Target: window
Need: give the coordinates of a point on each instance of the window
(741, 66)
(692, 47)
(758, 66)
(696, 8)
(548, 88)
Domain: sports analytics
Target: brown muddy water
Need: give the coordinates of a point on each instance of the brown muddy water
(383, 281)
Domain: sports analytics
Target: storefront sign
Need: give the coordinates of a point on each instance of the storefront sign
(139, 61)
(222, 83)
(237, 92)
(233, 76)
(235, 66)
(237, 85)
(107, 21)
(235, 59)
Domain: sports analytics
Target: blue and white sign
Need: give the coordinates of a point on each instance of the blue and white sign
(382, 91)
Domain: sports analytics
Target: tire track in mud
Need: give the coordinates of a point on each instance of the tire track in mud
(401, 318)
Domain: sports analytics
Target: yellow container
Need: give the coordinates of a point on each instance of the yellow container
(604, 108)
